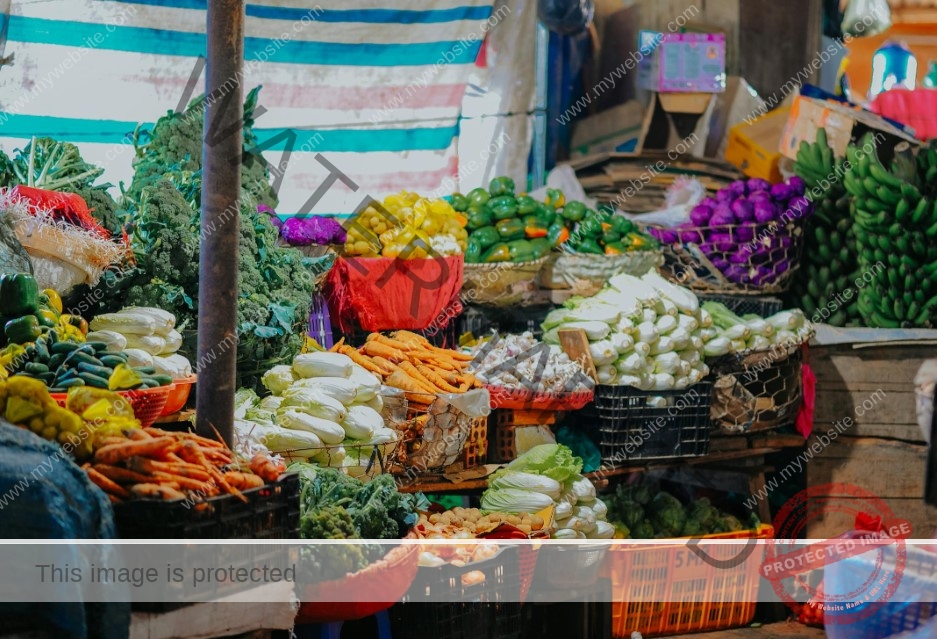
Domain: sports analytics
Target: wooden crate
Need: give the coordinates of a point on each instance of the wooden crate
(883, 450)
(847, 377)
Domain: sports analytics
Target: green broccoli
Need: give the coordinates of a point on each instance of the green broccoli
(643, 530)
(666, 514)
(104, 209)
(331, 522)
(691, 528)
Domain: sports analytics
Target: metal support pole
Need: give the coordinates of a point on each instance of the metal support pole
(221, 186)
(541, 82)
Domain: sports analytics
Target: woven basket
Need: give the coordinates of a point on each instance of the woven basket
(583, 272)
(501, 283)
(688, 266)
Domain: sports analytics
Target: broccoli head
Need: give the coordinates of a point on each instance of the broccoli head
(643, 530)
(331, 522)
(103, 208)
(666, 514)
(691, 528)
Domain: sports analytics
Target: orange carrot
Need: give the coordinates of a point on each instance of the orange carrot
(122, 475)
(360, 359)
(156, 491)
(378, 349)
(243, 481)
(266, 468)
(417, 375)
(106, 484)
(116, 452)
(183, 469)
(138, 434)
(437, 380)
(193, 454)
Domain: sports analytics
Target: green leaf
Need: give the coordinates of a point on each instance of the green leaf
(283, 314)
(267, 332)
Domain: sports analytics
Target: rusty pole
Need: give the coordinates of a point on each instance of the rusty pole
(221, 185)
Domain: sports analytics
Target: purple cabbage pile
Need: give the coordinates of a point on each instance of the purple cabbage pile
(305, 231)
(746, 229)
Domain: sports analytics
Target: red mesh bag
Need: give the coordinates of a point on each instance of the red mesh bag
(67, 207)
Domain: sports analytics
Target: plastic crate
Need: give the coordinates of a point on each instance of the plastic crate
(475, 452)
(761, 306)
(635, 424)
(583, 614)
(320, 325)
(503, 424)
(271, 512)
(710, 598)
(913, 606)
(439, 606)
(570, 566)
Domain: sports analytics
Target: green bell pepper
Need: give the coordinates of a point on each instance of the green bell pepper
(534, 227)
(588, 245)
(473, 251)
(502, 207)
(555, 198)
(22, 329)
(573, 211)
(546, 213)
(497, 253)
(610, 237)
(520, 251)
(615, 248)
(557, 234)
(19, 294)
(501, 186)
(478, 197)
(477, 218)
(486, 236)
(621, 224)
(526, 205)
(540, 246)
(511, 229)
(459, 202)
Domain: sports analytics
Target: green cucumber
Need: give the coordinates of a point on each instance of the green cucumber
(101, 371)
(64, 347)
(48, 378)
(145, 370)
(70, 383)
(98, 346)
(112, 360)
(81, 357)
(36, 368)
(163, 380)
(42, 351)
(824, 252)
(93, 380)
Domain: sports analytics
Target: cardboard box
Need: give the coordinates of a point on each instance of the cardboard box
(615, 130)
(753, 148)
(682, 62)
(843, 123)
(738, 102)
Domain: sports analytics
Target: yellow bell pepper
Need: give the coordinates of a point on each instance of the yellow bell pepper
(55, 300)
(123, 378)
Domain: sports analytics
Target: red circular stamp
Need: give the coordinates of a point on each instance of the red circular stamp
(861, 568)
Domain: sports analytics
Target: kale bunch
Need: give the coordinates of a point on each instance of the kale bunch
(7, 176)
(175, 145)
(376, 508)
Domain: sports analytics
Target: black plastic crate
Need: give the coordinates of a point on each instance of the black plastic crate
(745, 304)
(271, 512)
(635, 424)
(439, 606)
(577, 613)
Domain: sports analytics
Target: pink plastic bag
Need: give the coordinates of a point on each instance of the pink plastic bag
(804, 421)
(917, 109)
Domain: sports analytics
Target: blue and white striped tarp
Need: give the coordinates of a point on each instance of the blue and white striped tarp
(376, 86)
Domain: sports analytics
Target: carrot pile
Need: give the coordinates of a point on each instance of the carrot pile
(150, 463)
(409, 362)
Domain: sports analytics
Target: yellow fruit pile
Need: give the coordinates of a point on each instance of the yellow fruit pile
(409, 229)
(91, 414)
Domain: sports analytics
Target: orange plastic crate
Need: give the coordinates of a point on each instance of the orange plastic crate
(642, 572)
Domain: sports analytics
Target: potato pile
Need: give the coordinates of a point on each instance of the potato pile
(468, 523)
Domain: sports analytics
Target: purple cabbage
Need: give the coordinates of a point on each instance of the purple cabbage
(687, 234)
(720, 263)
(797, 185)
(738, 187)
(701, 214)
(800, 206)
(757, 184)
(312, 230)
(709, 201)
(782, 192)
(722, 215)
(764, 211)
(668, 236)
(738, 274)
(745, 232)
(760, 196)
(742, 256)
(723, 241)
(743, 211)
(726, 196)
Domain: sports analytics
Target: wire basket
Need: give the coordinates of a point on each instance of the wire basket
(501, 283)
(147, 403)
(742, 259)
(760, 390)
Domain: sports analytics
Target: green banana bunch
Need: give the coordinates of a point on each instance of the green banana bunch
(828, 263)
(895, 228)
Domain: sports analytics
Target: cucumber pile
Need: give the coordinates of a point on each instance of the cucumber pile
(63, 364)
(828, 264)
(896, 234)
